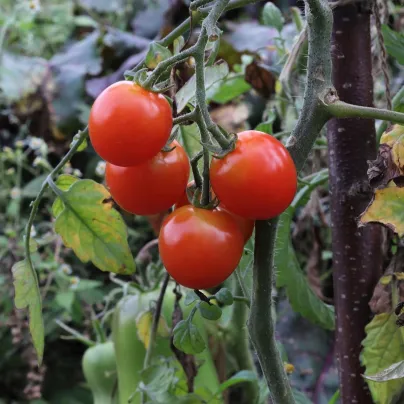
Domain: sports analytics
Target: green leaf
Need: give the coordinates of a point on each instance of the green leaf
(27, 296)
(240, 377)
(87, 284)
(156, 54)
(210, 311)
(85, 21)
(229, 89)
(383, 346)
(290, 276)
(31, 189)
(64, 182)
(394, 42)
(187, 338)
(272, 16)
(224, 296)
(189, 139)
(65, 300)
(393, 372)
(213, 74)
(266, 126)
(94, 230)
(300, 397)
(190, 298)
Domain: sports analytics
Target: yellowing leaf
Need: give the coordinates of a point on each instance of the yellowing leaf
(387, 207)
(144, 323)
(27, 296)
(391, 136)
(96, 232)
(383, 346)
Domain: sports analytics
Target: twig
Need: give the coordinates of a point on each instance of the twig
(153, 330)
(341, 109)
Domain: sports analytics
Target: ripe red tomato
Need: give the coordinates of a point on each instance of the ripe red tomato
(258, 180)
(200, 248)
(151, 187)
(129, 125)
(246, 225)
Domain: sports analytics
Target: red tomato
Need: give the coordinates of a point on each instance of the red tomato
(151, 187)
(200, 248)
(246, 225)
(183, 201)
(258, 180)
(129, 125)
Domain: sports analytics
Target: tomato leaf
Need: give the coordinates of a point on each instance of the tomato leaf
(187, 338)
(393, 372)
(213, 74)
(88, 224)
(224, 296)
(64, 182)
(190, 298)
(290, 276)
(272, 16)
(210, 311)
(156, 54)
(387, 208)
(242, 376)
(394, 42)
(227, 90)
(27, 296)
(383, 346)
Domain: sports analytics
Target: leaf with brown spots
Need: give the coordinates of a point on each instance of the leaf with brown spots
(87, 223)
(387, 207)
(389, 164)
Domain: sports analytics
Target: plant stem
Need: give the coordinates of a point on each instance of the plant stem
(340, 109)
(153, 330)
(35, 204)
(195, 171)
(311, 120)
(190, 116)
(260, 323)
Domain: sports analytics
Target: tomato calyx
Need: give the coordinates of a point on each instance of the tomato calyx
(195, 195)
(219, 152)
(173, 136)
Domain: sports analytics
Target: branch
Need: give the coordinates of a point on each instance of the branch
(312, 118)
(340, 109)
(318, 85)
(260, 323)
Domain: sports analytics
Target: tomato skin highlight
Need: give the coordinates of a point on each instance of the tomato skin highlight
(152, 187)
(128, 124)
(200, 248)
(258, 180)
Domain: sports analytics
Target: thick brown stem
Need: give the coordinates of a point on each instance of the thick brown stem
(357, 252)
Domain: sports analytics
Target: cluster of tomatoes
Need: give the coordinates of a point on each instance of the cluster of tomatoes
(129, 126)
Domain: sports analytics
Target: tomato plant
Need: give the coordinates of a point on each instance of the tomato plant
(128, 124)
(258, 180)
(151, 187)
(200, 248)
